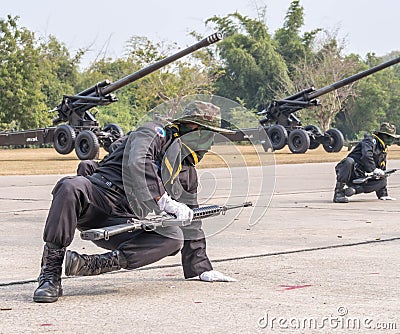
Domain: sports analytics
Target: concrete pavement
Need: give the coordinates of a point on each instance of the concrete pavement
(307, 266)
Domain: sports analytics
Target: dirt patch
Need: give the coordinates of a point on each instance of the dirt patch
(41, 161)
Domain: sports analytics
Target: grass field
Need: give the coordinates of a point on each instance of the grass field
(40, 161)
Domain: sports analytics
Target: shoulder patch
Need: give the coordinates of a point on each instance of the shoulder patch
(160, 131)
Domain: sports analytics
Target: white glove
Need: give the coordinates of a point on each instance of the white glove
(215, 276)
(179, 210)
(387, 198)
(378, 172)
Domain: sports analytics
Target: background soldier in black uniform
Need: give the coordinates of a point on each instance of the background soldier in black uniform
(152, 169)
(368, 156)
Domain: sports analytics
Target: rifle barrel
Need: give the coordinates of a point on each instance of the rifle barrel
(214, 210)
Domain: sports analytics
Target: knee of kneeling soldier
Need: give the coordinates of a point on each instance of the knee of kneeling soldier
(175, 239)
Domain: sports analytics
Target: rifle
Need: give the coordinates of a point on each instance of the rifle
(151, 224)
(375, 177)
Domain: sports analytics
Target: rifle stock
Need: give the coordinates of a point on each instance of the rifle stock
(134, 224)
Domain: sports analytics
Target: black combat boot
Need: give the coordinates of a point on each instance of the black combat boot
(87, 265)
(339, 196)
(50, 276)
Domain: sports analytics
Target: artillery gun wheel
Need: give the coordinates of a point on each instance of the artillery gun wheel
(336, 141)
(86, 145)
(64, 139)
(116, 133)
(298, 141)
(278, 136)
(315, 130)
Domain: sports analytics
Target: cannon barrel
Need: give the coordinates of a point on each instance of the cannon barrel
(75, 109)
(308, 97)
(83, 131)
(163, 62)
(349, 80)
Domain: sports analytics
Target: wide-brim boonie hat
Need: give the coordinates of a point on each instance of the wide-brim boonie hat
(388, 129)
(205, 114)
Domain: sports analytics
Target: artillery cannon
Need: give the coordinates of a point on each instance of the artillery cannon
(283, 127)
(80, 129)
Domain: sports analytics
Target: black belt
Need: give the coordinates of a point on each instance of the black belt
(106, 182)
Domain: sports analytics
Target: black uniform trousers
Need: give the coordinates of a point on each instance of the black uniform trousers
(347, 171)
(80, 203)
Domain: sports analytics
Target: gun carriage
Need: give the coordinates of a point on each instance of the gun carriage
(284, 128)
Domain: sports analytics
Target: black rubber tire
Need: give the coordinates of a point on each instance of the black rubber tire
(64, 139)
(336, 141)
(86, 145)
(298, 141)
(313, 143)
(278, 136)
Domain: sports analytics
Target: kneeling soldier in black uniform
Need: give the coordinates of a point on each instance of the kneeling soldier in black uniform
(152, 169)
(368, 156)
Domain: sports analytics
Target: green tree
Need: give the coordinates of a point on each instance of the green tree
(252, 70)
(34, 75)
(59, 70)
(367, 109)
(290, 44)
(391, 80)
(22, 102)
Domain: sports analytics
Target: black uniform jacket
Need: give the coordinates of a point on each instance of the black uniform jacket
(368, 154)
(136, 167)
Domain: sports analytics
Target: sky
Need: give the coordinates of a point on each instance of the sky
(105, 26)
